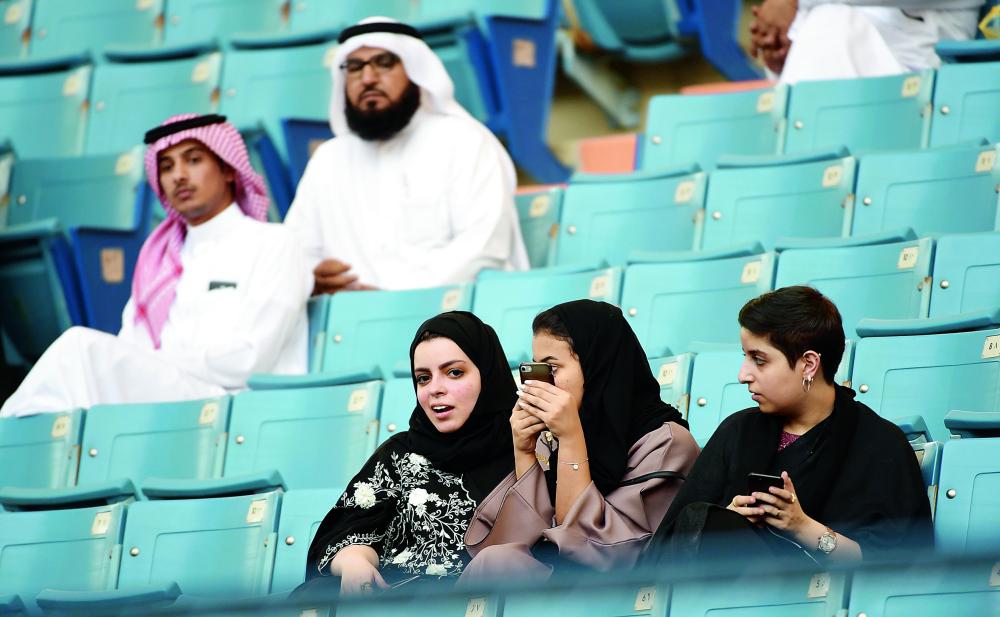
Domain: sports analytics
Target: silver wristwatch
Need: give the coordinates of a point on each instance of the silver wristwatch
(827, 542)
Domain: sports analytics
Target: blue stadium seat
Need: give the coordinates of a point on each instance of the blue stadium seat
(966, 269)
(962, 588)
(44, 113)
(266, 161)
(15, 28)
(673, 373)
(70, 28)
(127, 96)
(301, 138)
(197, 21)
(683, 129)
(969, 490)
(882, 281)
(929, 367)
(375, 327)
(716, 392)
(942, 190)
(40, 451)
(398, 403)
(875, 113)
(762, 199)
(929, 457)
(693, 297)
(77, 550)
(315, 437)
(301, 513)
(318, 310)
(605, 217)
(509, 301)
(820, 594)
(966, 97)
(539, 212)
(621, 599)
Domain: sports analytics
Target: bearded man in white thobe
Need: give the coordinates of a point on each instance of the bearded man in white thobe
(412, 191)
(217, 294)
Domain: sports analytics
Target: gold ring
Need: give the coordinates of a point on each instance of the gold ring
(794, 498)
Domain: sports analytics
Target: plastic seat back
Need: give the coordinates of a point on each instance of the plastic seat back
(611, 598)
(966, 97)
(15, 28)
(76, 550)
(672, 305)
(929, 458)
(966, 271)
(762, 200)
(962, 588)
(40, 451)
(969, 497)
(129, 98)
(673, 373)
(183, 440)
(682, 129)
(316, 437)
(716, 392)
(375, 327)
(222, 547)
(62, 28)
(875, 113)
(196, 21)
(880, 281)
(301, 513)
(943, 190)
(539, 212)
(398, 403)
(607, 217)
(510, 301)
(795, 594)
(45, 114)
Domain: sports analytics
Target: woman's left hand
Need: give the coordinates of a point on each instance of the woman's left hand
(555, 407)
(782, 509)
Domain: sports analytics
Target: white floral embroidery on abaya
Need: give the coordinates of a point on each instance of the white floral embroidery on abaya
(426, 535)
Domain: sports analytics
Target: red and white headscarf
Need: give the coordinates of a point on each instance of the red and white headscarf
(158, 268)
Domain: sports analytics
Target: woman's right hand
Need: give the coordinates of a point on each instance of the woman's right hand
(525, 429)
(744, 506)
(358, 574)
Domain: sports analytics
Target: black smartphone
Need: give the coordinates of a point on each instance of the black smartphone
(537, 371)
(759, 483)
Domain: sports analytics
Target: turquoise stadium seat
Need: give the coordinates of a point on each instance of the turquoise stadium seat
(45, 113)
(588, 600)
(197, 21)
(398, 403)
(929, 457)
(799, 594)
(716, 392)
(876, 113)
(62, 28)
(301, 513)
(40, 451)
(881, 281)
(966, 588)
(539, 212)
(372, 328)
(969, 496)
(270, 79)
(941, 190)
(606, 217)
(509, 301)
(427, 604)
(316, 437)
(15, 28)
(127, 98)
(966, 97)
(762, 199)
(673, 373)
(77, 550)
(929, 367)
(684, 129)
(318, 310)
(693, 298)
(966, 271)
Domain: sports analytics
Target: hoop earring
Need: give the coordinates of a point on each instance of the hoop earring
(807, 383)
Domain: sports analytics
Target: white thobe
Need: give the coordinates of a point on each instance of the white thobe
(430, 206)
(239, 309)
(839, 39)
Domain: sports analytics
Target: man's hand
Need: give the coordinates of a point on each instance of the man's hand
(769, 31)
(332, 275)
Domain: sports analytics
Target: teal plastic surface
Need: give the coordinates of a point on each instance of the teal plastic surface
(40, 451)
(539, 213)
(45, 114)
(301, 513)
(716, 392)
(926, 590)
(398, 403)
(673, 373)
(14, 28)
(61, 28)
(969, 497)
(966, 271)
(793, 595)
(187, 21)
(966, 97)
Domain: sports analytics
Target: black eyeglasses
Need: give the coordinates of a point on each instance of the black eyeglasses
(382, 63)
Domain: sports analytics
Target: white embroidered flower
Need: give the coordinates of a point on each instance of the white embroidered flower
(421, 510)
(418, 496)
(402, 557)
(433, 497)
(436, 570)
(416, 459)
(364, 495)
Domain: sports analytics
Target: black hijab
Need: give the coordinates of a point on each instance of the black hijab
(621, 399)
(482, 450)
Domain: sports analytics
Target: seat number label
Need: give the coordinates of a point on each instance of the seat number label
(995, 575)
(258, 509)
(765, 102)
(819, 585)
(911, 87)
(986, 161)
(357, 401)
(644, 598)
(476, 607)
(112, 265)
(684, 192)
(667, 374)
(991, 348)
(201, 72)
(209, 412)
(450, 300)
(72, 85)
(102, 521)
(524, 53)
(539, 206)
(832, 176)
(599, 287)
(908, 258)
(751, 273)
(60, 427)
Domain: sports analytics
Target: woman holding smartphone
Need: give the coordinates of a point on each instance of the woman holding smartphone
(597, 455)
(404, 515)
(809, 473)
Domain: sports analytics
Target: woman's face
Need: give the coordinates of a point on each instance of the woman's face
(448, 383)
(565, 364)
(775, 386)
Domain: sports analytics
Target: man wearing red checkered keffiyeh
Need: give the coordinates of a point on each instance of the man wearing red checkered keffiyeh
(217, 292)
